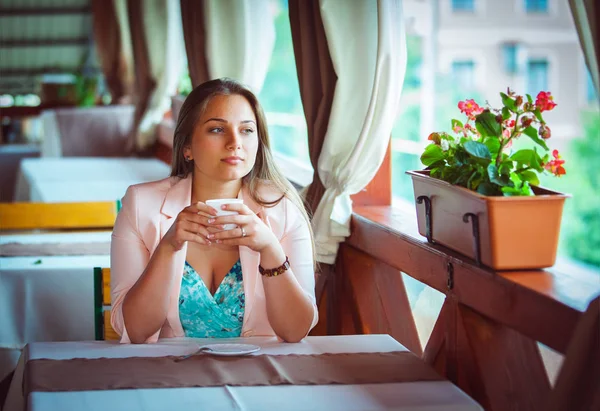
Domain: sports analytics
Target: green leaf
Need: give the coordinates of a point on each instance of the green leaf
(496, 178)
(524, 156)
(529, 98)
(456, 123)
(486, 121)
(506, 113)
(505, 167)
(493, 144)
(477, 149)
(533, 134)
(538, 115)
(520, 188)
(488, 189)
(530, 176)
(508, 102)
(37, 262)
(432, 154)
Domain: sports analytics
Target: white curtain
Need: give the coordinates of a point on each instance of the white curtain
(166, 56)
(240, 35)
(585, 14)
(367, 43)
(126, 48)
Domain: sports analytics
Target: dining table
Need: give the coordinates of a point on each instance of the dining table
(47, 288)
(343, 372)
(83, 179)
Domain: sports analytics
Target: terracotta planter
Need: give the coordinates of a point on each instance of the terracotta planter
(507, 232)
(176, 103)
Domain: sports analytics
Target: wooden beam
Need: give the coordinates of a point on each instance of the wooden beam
(526, 307)
(380, 298)
(510, 365)
(42, 11)
(11, 43)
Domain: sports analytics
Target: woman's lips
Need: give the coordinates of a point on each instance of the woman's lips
(232, 160)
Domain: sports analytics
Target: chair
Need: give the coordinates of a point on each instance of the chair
(102, 303)
(47, 216)
(101, 131)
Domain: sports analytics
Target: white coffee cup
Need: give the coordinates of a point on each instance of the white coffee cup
(218, 202)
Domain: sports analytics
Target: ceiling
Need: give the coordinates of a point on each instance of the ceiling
(43, 36)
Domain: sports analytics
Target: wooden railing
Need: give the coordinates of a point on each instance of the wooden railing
(485, 338)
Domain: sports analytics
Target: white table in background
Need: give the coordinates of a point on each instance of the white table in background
(431, 396)
(46, 298)
(73, 179)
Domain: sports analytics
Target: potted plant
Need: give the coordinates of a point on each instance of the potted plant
(483, 199)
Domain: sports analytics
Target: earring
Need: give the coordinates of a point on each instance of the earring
(188, 159)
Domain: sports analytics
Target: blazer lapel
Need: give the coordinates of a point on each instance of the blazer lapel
(249, 259)
(177, 198)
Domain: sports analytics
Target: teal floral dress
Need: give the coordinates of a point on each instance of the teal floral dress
(203, 315)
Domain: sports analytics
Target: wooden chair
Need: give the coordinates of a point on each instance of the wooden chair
(48, 216)
(102, 303)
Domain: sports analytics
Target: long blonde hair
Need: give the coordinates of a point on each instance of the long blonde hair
(264, 168)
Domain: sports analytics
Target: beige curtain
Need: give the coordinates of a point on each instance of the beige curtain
(157, 42)
(242, 47)
(368, 49)
(112, 49)
(586, 14)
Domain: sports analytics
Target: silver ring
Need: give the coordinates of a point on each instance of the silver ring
(243, 231)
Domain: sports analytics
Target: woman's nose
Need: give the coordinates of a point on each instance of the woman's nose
(235, 141)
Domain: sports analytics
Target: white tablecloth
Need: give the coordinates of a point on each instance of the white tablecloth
(431, 396)
(52, 300)
(74, 179)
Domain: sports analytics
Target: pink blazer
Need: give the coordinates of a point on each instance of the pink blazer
(148, 211)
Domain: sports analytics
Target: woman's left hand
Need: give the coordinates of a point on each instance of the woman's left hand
(251, 232)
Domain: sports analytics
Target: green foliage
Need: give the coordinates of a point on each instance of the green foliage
(474, 157)
(184, 87)
(583, 231)
(280, 92)
(86, 90)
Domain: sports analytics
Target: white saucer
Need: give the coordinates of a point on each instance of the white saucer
(229, 349)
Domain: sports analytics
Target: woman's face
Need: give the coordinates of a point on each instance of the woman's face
(225, 140)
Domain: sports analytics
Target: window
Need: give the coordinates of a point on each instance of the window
(510, 57)
(537, 76)
(463, 73)
(280, 98)
(463, 5)
(590, 89)
(536, 6)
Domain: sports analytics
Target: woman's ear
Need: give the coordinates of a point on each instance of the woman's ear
(187, 153)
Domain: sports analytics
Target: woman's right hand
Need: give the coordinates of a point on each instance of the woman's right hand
(191, 224)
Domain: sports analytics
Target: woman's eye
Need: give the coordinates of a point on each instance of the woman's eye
(216, 130)
(248, 131)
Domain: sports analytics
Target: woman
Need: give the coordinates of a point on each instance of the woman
(175, 272)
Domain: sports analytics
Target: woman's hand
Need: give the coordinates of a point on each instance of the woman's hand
(252, 231)
(191, 224)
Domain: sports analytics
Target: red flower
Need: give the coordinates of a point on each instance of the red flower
(555, 166)
(470, 108)
(545, 132)
(526, 121)
(544, 101)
